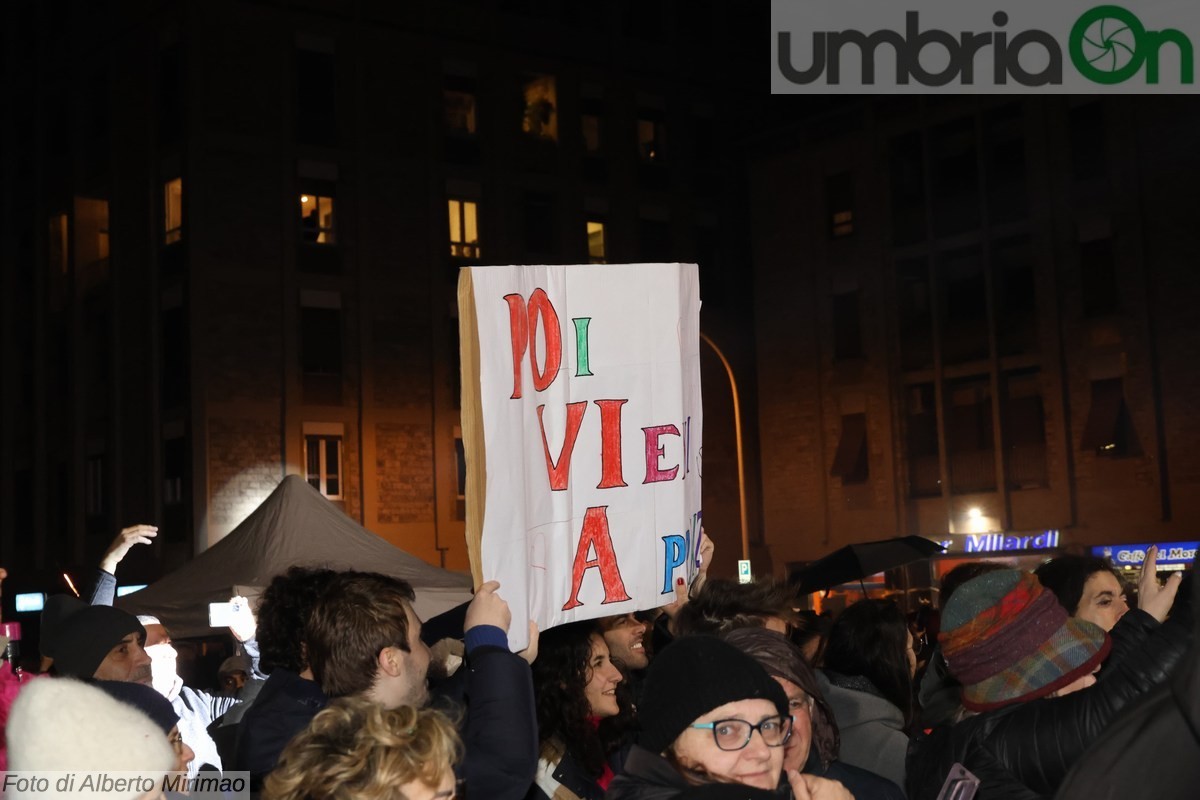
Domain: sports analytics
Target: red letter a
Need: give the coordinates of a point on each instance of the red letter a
(595, 534)
(560, 472)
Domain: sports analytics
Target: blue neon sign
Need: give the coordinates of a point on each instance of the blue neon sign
(1132, 555)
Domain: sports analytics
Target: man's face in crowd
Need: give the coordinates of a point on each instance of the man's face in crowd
(413, 684)
(127, 661)
(624, 636)
(162, 658)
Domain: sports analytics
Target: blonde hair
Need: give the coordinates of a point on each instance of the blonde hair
(356, 749)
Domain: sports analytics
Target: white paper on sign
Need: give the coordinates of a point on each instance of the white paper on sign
(592, 426)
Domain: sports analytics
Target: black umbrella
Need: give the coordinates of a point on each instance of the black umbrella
(856, 561)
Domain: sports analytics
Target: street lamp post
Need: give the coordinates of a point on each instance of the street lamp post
(737, 429)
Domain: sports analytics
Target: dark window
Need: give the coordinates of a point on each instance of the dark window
(652, 135)
(839, 204)
(175, 385)
(461, 106)
(962, 290)
(94, 485)
(1098, 278)
(969, 436)
(1016, 297)
(924, 470)
(907, 169)
(175, 471)
(851, 463)
(1007, 195)
(1087, 134)
(955, 178)
(1109, 429)
(316, 98)
(540, 225)
(321, 341)
(847, 326)
(654, 240)
(1024, 430)
(170, 103)
(916, 317)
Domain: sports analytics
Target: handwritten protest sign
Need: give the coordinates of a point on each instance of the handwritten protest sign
(582, 427)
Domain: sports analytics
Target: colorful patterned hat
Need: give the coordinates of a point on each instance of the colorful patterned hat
(1007, 640)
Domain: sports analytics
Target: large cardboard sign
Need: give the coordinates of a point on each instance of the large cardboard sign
(582, 427)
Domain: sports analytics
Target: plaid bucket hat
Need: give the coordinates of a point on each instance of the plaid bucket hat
(1008, 640)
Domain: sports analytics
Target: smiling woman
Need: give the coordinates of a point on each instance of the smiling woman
(582, 708)
(710, 714)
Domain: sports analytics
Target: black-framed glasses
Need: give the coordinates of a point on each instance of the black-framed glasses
(734, 734)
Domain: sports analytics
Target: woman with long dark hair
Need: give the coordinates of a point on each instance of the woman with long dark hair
(867, 677)
(582, 709)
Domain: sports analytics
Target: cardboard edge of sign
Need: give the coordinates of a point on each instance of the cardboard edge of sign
(472, 422)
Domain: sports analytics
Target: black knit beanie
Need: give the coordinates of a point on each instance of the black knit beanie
(144, 698)
(691, 677)
(84, 638)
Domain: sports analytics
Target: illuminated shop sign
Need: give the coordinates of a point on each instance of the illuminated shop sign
(1132, 555)
(1000, 542)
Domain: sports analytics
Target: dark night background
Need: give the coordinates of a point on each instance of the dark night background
(230, 234)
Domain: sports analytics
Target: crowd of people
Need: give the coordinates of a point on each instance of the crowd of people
(1014, 685)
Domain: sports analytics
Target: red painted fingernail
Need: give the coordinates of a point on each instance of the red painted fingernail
(679, 581)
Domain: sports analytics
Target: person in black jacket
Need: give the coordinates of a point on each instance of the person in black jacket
(1162, 729)
(1023, 663)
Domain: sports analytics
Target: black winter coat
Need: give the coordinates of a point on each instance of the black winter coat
(1025, 751)
(1155, 743)
(500, 731)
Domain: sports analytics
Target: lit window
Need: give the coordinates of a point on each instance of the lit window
(541, 108)
(460, 112)
(91, 230)
(591, 133)
(59, 244)
(173, 210)
(323, 464)
(652, 138)
(316, 219)
(464, 229)
(595, 242)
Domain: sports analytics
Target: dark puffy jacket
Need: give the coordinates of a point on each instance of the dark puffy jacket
(284, 707)
(1026, 750)
(1155, 743)
(500, 730)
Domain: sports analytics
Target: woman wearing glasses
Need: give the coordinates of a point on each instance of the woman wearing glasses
(710, 714)
(814, 744)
